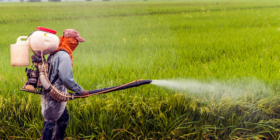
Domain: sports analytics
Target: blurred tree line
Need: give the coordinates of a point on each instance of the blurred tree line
(40, 0)
(53, 0)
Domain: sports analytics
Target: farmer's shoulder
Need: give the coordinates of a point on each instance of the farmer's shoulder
(62, 55)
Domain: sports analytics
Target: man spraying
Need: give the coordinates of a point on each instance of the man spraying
(55, 113)
(53, 78)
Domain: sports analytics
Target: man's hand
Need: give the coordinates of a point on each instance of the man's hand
(85, 93)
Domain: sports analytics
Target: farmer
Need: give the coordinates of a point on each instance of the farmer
(55, 113)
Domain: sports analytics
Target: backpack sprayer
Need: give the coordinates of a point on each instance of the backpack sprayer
(44, 41)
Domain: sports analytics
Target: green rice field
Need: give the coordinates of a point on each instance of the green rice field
(232, 42)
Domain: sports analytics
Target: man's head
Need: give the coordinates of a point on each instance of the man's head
(69, 41)
(72, 33)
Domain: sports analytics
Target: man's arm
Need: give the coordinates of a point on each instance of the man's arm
(66, 74)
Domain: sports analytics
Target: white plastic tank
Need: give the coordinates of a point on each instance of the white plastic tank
(20, 52)
(43, 39)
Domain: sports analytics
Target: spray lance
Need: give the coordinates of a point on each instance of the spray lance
(44, 41)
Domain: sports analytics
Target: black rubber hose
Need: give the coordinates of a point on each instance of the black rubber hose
(131, 85)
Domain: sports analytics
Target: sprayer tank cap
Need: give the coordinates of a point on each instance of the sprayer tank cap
(46, 30)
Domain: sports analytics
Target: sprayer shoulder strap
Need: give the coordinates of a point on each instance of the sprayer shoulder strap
(50, 69)
(54, 79)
